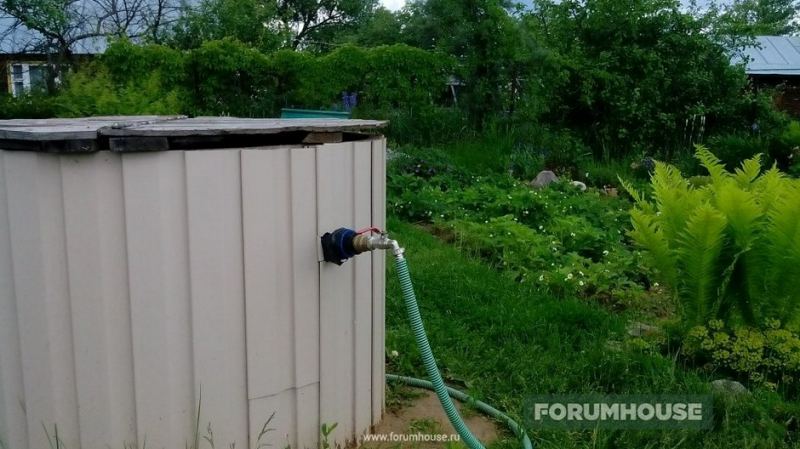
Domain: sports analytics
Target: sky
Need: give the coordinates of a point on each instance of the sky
(394, 5)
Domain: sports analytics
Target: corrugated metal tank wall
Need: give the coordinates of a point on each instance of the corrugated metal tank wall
(135, 288)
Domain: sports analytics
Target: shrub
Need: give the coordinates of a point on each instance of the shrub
(30, 105)
(732, 149)
(557, 239)
(729, 249)
(93, 92)
(768, 356)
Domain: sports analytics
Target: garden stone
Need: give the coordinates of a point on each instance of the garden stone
(637, 329)
(729, 386)
(543, 178)
(579, 184)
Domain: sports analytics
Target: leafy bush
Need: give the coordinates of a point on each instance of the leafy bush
(794, 171)
(730, 249)
(93, 92)
(558, 258)
(525, 162)
(30, 105)
(768, 356)
(421, 127)
(557, 239)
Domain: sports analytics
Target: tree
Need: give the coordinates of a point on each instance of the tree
(312, 21)
(628, 74)
(58, 28)
(763, 17)
(382, 27)
(249, 21)
(481, 35)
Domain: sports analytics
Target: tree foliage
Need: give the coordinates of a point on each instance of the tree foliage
(762, 17)
(230, 78)
(631, 72)
(249, 21)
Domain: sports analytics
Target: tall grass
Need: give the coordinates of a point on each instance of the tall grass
(504, 340)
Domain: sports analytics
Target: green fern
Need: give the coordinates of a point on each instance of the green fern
(701, 245)
(730, 249)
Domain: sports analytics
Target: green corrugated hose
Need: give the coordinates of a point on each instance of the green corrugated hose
(436, 384)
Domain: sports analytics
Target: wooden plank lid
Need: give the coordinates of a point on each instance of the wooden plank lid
(163, 133)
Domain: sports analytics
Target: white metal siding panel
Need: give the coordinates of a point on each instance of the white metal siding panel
(266, 186)
(362, 324)
(158, 270)
(308, 425)
(98, 283)
(213, 180)
(38, 252)
(281, 407)
(130, 281)
(335, 179)
(305, 281)
(13, 426)
(378, 282)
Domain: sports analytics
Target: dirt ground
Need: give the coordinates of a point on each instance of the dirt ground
(425, 416)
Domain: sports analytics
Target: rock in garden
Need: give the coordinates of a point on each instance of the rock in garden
(728, 386)
(637, 329)
(543, 178)
(579, 184)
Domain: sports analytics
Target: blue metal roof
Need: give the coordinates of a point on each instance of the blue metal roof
(774, 55)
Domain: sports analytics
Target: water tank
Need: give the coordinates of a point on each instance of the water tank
(161, 282)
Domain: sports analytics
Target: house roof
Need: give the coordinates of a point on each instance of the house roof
(774, 55)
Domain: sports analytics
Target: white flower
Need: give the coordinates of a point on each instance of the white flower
(572, 234)
(395, 354)
(540, 227)
(605, 253)
(569, 276)
(491, 236)
(655, 285)
(541, 278)
(442, 215)
(580, 283)
(581, 273)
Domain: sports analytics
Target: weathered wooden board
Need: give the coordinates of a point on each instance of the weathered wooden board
(163, 133)
(72, 129)
(214, 126)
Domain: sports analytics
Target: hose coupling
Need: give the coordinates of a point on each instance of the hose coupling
(343, 243)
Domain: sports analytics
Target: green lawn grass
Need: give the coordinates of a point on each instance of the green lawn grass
(500, 341)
